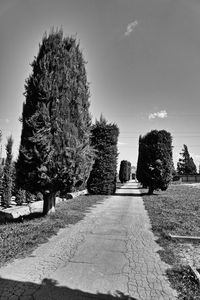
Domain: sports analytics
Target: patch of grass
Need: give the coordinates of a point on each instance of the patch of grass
(185, 283)
(19, 239)
(176, 211)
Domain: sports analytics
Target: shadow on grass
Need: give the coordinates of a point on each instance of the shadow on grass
(49, 289)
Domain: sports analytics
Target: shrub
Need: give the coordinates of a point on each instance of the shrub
(29, 197)
(39, 196)
(20, 196)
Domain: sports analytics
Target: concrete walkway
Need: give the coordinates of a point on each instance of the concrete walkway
(111, 254)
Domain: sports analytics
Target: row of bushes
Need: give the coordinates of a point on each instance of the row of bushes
(102, 178)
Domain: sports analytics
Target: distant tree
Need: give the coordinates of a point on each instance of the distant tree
(139, 169)
(102, 179)
(1, 165)
(155, 164)
(129, 170)
(1, 178)
(186, 164)
(124, 171)
(55, 152)
(7, 175)
(14, 188)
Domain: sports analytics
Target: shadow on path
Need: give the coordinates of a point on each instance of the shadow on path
(128, 188)
(49, 290)
(130, 194)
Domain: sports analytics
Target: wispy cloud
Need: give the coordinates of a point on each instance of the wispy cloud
(131, 27)
(161, 115)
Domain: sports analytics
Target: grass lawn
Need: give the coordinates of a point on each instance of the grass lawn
(19, 239)
(177, 211)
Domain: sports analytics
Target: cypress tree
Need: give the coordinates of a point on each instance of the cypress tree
(122, 171)
(140, 161)
(155, 164)
(102, 179)
(186, 164)
(55, 152)
(7, 175)
(129, 171)
(1, 165)
(125, 171)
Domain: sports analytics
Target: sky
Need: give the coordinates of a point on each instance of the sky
(143, 64)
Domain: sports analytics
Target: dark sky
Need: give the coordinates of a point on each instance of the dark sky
(143, 63)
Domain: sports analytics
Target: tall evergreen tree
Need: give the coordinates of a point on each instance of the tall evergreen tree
(1, 165)
(186, 164)
(139, 168)
(55, 152)
(155, 164)
(102, 178)
(129, 171)
(7, 175)
(124, 171)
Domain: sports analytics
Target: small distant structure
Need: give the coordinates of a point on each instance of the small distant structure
(133, 172)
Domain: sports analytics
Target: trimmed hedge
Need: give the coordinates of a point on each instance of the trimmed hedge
(102, 179)
(155, 163)
(124, 171)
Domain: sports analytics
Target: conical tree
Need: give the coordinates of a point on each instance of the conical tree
(55, 152)
(1, 164)
(155, 164)
(186, 164)
(102, 178)
(7, 175)
(139, 169)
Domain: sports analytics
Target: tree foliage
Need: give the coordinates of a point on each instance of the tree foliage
(186, 164)
(124, 171)
(155, 164)
(55, 152)
(129, 171)
(104, 139)
(20, 196)
(7, 175)
(1, 165)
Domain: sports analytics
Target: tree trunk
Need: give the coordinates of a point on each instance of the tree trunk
(49, 203)
(150, 190)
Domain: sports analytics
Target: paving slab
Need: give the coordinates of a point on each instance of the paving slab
(111, 253)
